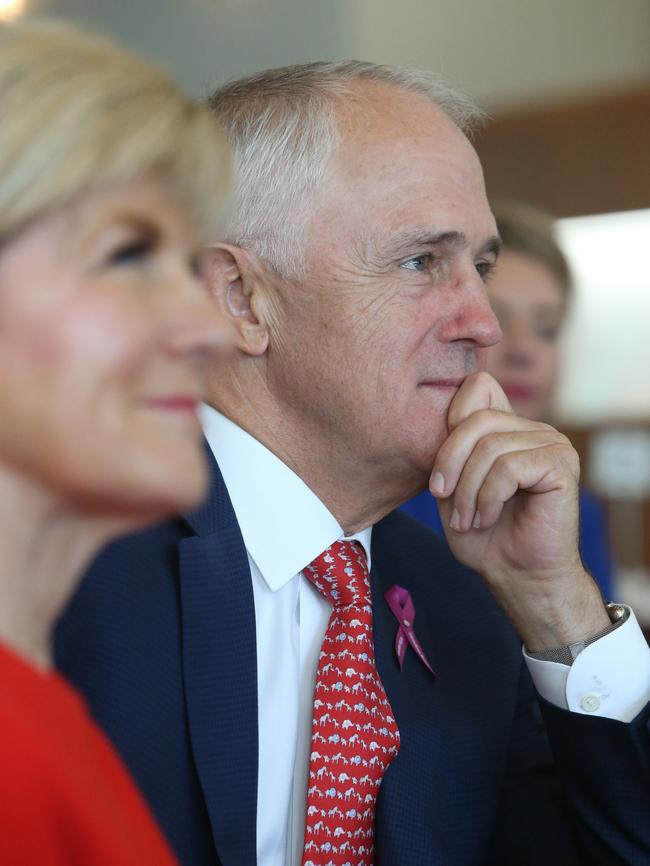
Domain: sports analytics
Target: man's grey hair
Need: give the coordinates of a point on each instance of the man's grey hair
(282, 126)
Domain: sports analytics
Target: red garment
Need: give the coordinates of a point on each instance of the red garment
(65, 797)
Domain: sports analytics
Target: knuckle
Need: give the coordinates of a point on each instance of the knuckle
(490, 446)
(505, 465)
(571, 460)
(481, 418)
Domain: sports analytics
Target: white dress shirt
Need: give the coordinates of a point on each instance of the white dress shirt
(285, 526)
(610, 677)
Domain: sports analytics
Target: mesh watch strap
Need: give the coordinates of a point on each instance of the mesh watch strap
(567, 654)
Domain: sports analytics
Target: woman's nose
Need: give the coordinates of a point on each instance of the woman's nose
(195, 324)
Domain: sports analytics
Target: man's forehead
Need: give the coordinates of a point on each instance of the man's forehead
(405, 171)
(381, 111)
(393, 138)
(382, 102)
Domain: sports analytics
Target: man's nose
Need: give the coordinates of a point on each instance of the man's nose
(489, 331)
(476, 319)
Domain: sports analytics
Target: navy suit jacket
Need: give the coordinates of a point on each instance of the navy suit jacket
(161, 639)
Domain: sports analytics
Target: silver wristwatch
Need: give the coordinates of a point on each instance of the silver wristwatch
(567, 654)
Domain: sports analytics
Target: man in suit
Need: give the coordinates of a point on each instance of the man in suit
(353, 274)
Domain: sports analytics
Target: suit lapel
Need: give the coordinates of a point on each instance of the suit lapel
(220, 672)
(414, 835)
(455, 730)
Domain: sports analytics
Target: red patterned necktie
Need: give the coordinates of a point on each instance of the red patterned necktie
(354, 735)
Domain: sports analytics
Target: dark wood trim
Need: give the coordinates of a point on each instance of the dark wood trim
(587, 156)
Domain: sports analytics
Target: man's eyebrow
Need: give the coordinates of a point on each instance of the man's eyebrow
(404, 243)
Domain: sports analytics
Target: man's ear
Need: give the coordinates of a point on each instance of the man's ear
(237, 287)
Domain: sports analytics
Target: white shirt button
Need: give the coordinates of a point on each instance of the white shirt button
(590, 703)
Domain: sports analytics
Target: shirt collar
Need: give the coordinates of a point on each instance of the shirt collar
(283, 523)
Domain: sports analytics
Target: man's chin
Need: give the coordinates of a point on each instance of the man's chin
(427, 452)
(418, 480)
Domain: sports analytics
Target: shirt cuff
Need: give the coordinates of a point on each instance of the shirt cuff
(610, 678)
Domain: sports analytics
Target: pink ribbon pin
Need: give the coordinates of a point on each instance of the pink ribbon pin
(402, 607)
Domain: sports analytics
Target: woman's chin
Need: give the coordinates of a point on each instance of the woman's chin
(170, 493)
(139, 494)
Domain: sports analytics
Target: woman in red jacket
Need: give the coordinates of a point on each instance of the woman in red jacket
(107, 174)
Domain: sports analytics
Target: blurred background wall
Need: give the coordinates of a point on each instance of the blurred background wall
(567, 84)
(507, 53)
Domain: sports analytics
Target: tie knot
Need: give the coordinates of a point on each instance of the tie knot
(340, 574)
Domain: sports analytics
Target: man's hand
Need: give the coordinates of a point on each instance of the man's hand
(508, 495)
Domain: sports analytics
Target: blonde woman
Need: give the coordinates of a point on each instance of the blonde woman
(107, 176)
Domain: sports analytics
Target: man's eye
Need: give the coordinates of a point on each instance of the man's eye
(484, 270)
(133, 252)
(417, 263)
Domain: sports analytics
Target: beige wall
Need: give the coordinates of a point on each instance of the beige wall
(505, 52)
(509, 52)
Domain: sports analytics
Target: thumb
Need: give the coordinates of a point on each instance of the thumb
(479, 391)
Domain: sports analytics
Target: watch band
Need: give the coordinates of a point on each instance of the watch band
(567, 654)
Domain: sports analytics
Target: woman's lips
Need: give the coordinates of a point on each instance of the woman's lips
(175, 403)
(517, 391)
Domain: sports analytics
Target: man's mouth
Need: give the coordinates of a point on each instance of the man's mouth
(450, 383)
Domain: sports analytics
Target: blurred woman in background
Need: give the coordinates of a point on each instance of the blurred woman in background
(530, 291)
(108, 175)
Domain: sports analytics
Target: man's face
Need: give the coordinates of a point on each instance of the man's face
(392, 314)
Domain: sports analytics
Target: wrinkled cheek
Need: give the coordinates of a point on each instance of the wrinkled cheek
(279, 323)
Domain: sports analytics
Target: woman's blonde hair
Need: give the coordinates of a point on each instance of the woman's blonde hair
(78, 113)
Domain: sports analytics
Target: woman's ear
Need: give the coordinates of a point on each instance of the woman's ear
(237, 286)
